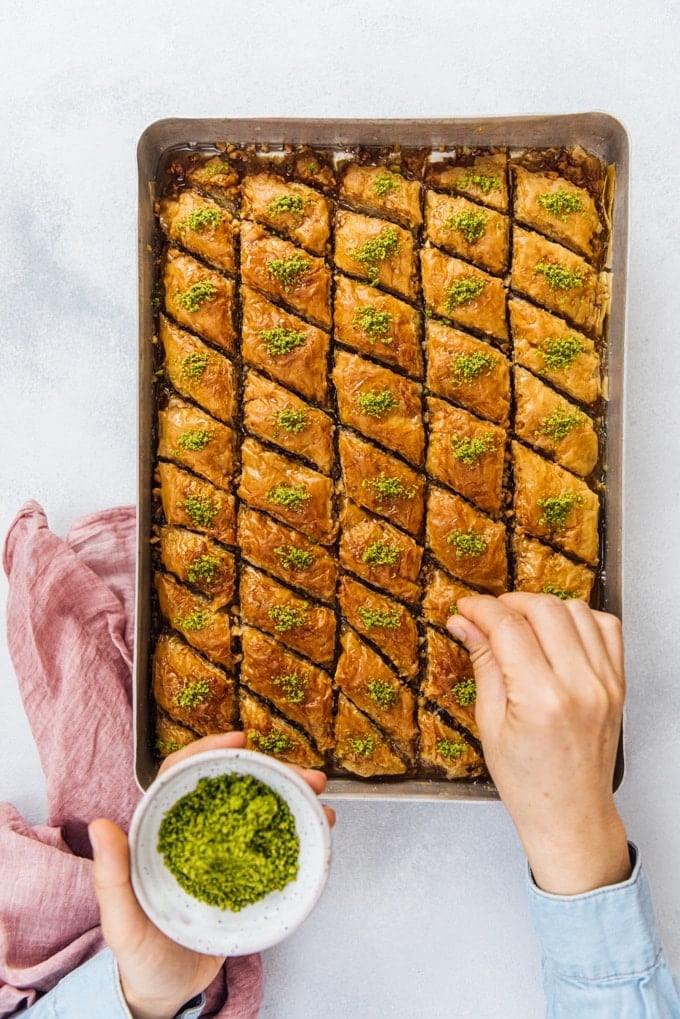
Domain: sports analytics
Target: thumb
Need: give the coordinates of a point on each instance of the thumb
(122, 918)
(491, 693)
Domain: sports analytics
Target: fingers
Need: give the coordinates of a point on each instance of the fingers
(217, 742)
(121, 915)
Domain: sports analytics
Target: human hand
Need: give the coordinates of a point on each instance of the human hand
(157, 975)
(550, 693)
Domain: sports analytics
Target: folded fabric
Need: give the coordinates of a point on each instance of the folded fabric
(70, 618)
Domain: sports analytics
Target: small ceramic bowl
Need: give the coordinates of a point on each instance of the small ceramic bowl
(209, 929)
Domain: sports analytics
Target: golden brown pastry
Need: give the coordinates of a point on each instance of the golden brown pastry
(441, 593)
(468, 371)
(297, 495)
(301, 691)
(380, 404)
(551, 503)
(285, 272)
(302, 625)
(190, 502)
(199, 298)
(314, 167)
(197, 371)
(558, 208)
(284, 346)
(383, 192)
(466, 453)
(379, 553)
(449, 679)
(299, 213)
(463, 293)
(287, 554)
(386, 623)
(445, 749)
(376, 690)
(468, 230)
(170, 735)
(541, 569)
(190, 689)
(360, 747)
(379, 252)
(378, 325)
(202, 227)
(195, 559)
(467, 543)
(194, 616)
(382, 483)
(482, 177)
(271, 734)
(277, 415)
(195, 440)
(553, 425)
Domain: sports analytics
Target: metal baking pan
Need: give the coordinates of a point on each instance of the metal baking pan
(598, 133)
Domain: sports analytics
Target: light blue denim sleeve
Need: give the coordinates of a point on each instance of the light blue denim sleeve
(93, 990)
(601, 953)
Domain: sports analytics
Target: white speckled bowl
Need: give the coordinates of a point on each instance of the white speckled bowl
(207, 928)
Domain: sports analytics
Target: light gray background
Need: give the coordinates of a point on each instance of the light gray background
(425, 915)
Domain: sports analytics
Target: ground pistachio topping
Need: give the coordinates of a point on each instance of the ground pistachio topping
(560, 203)
(193, 365)
(197, 294)
(377, 402)
(560, 352)
(293, 686)
(362, 746)
(289, 271)
(465, 691)
(470, 449)
(292, 558)
(373, 322)
(292, 421)
(472, 225)
(383, 619)
(451, 749)
(200, 219)
(192, 693)
(194, 439)
(466, 367)
(385, 183)
(200, 509)
(213, 169)
(556, 509)
(463, 290)
(273, 742)
(166, 747)
(205, 568)
(484, 182)
(286, 203)
(559, 277)
(378, 553)
(453, 609)
(199, 619)
(556, 426)
(468, 543)
(230, 842)
(376, 250)
(292, 497)
(280, 340)
(560, 592)
(382, 692)
(288, 617)
(386, 489)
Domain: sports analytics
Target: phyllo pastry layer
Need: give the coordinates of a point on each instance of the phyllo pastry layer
(199, 298)
(466, 542)
(197, 371)
(382, 483)
(196, 560)
(449, 679)
(194, 616)
(466, 229)
(541, 569)
(384, 192)
(378, 324)
(271, 734)
(360, 747)
(463, 293)
(195, 440)
(170, 736)
(191, 502)
(381, 253)
(441, 594)
(298, 212)
(482, 177)
(383, 621)
(192, 690)
(558, 208)
(553, 425)
(379, 553)
(301, 691)
(203, 227)
(468, 371)
(553, 504)
(445, 749)
(466, 453)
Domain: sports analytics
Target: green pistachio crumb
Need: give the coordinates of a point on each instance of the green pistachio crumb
(561, 592)
(382, 692)
(557, 425)
(387, 619)
(313, 168)
(377, 402)
(292, 421)
(373, 322)
(204, 568)
(193, 366)
(292, 497)
(273, 742)
(286, 203)
(197, 294)
(472, 225)
(466, 367)
(292, 558)
(385, 183)
(376, 250)
(288, 617)
(559, 277)
(362, 746)
(560, 352)
(386, 489)
(453, 609)
(289, 271)
(194, 439)
(468, 543)
(463, 290)
(200, 219)
(196, 620)
(200, 509)
(560, 203)
(483, 182)
(293, 685)
(166, 747)
(192, 693)
(451, 749)
(470, 449)
(556, 509)
(279, 341)
(465, 691)
(378, 553)
(214, 169)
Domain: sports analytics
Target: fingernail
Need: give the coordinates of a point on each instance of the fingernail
(455, 630)
(93, 840)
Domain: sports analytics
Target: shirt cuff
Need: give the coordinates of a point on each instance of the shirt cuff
(608, 932)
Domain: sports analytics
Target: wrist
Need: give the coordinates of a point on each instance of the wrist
(148, 1008)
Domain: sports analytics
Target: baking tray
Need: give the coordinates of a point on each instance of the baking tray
(598, 133)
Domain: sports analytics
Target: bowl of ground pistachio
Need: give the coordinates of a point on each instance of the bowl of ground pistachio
(230, 851)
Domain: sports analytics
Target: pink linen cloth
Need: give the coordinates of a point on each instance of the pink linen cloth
(70, 633)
